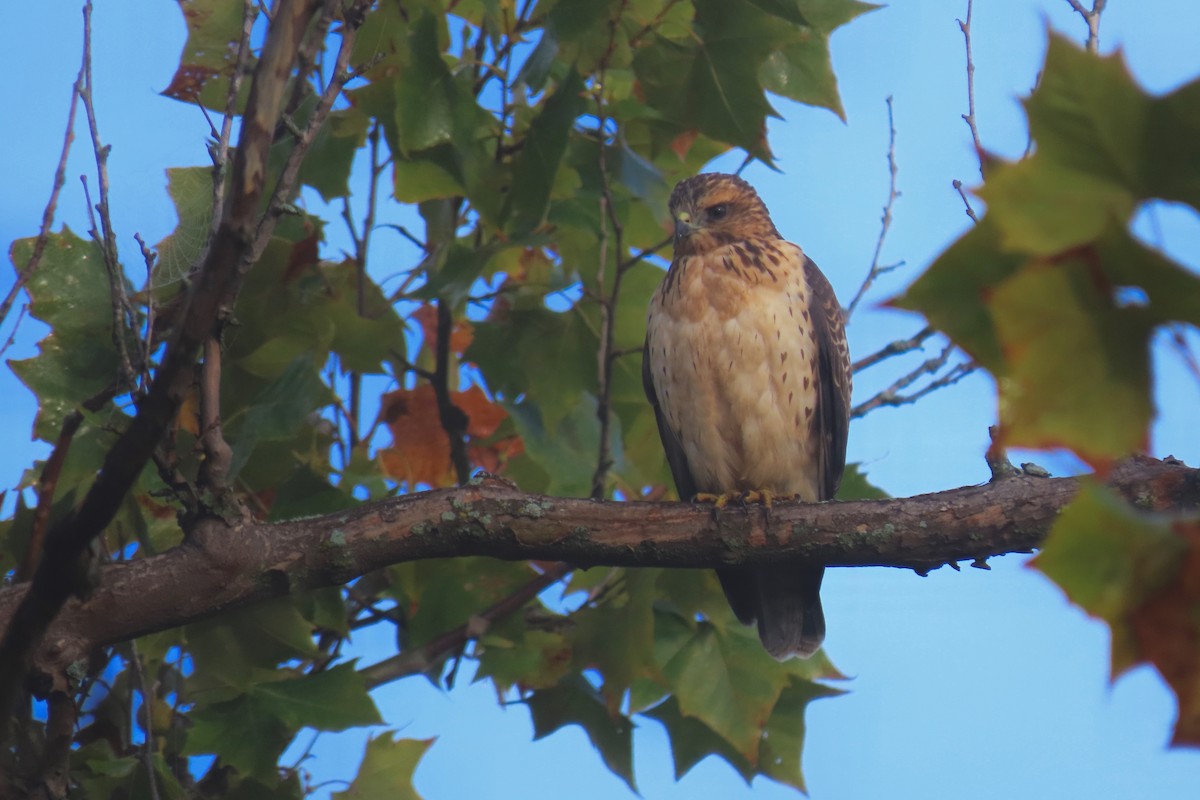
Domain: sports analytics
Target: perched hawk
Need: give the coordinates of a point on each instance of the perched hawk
(748, 371)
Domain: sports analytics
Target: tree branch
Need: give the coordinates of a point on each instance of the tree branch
(226, 566)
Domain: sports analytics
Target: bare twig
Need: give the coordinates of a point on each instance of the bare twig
(898, 347)
(1092, 18)
(123, 316)
(969, 117)
(12, 335)
(958, 187)
(878, 269)
(60, 178)
(891, 396)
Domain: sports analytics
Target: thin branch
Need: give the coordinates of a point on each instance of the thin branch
(60, 178)
(434, 652)
(146, 751)
(878, 269)
(220, 148)
(1092, 18)
(218, 455)
(969, 117)
(898, 347)
(608, 301)
(958, 187)
(228, 567)
(122, 310)
(892, 396)
(454, 420)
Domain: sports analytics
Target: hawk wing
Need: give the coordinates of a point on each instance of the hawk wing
(832, 422)
(685, 484)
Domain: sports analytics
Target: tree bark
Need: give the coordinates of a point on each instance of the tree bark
(223, 566)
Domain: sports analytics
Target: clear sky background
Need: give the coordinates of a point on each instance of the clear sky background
(964, 684)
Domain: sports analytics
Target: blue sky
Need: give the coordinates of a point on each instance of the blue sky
(977, 684)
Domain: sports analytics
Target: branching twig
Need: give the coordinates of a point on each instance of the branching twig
(1092, 18)
(123, 317)
(219, 151)
(891, 396)
(878, 269)
(898, 347)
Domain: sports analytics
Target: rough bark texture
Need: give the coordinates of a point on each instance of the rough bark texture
(226, 566)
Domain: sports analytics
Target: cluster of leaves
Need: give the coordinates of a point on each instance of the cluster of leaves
(538, 145)
(1054, 296)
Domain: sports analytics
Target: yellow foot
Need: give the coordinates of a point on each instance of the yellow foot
(719, 501)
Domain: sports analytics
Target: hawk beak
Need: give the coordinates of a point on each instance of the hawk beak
(683, 225)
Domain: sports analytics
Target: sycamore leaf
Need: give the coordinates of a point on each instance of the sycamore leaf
(76, 360)
(386, 770)
(245, 731)
(210, 54)
(575, 702)
(420, 450)
(616, 637)
(333, 700)
(1141, 575)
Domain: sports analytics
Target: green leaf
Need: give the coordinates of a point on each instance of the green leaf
(210, 53)
(542, 151)
(77, 359)
(803, 70)
(279, 411)
(386, 770)
(245, 732)
(855, 486)
(327, 166)
(616, 637)
(511, 654)
(726, 681)
(575, 702)
(1077, 370)
(333, 700)
(1110, 559)
(709, 81)
(692, 741)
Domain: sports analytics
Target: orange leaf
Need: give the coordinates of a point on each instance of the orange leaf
(682, 143)
(484, 416)
(1167, 629)
(461, 333)
(420, 451)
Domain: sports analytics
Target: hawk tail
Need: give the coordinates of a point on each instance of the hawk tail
(785, 601)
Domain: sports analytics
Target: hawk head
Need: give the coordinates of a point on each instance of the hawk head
(716, 209)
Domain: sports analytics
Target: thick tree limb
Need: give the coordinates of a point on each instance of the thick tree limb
(222, 567)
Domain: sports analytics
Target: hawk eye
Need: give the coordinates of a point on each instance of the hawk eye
(718, 211)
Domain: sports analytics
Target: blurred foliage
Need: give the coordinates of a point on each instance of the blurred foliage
(1053, 294)
(538, 143)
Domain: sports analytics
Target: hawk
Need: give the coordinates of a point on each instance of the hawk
(748, 371)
